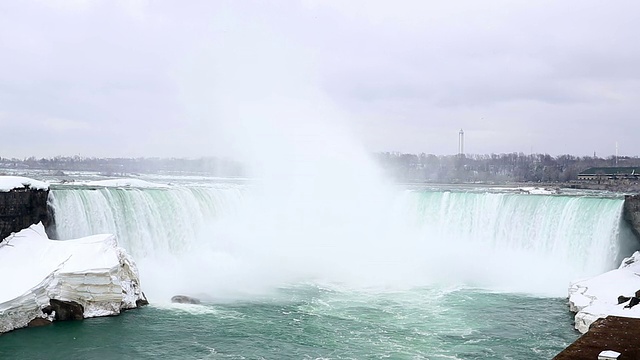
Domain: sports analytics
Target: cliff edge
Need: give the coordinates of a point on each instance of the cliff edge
(632, 213)
(23, 202)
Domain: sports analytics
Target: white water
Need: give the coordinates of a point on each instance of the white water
(524, 243)
(319, 210)
(231, 242)
(146, 221)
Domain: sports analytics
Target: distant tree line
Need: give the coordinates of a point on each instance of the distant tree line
(128, 166)
(493, 168)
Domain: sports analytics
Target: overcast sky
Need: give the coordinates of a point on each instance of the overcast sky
(199, 78)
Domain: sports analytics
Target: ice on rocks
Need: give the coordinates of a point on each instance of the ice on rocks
(92, 271)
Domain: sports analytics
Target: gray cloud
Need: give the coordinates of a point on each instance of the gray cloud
(136, 78)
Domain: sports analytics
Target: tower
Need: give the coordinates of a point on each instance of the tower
(461, 142)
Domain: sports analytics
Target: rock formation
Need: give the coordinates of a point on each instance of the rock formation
(632, 213)
(23, 202)
(183, 299)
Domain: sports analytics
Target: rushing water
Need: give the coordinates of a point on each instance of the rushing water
(402, 275)
(145, 221)
(316, 323)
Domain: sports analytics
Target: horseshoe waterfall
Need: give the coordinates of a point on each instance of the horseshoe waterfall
(434, 273)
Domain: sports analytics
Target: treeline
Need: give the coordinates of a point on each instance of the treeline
(128, 166)
(493, 168)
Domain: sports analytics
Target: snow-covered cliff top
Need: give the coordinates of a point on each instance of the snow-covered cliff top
(30, 256)
(8, 183)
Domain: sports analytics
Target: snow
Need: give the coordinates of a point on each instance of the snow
(8, 183)
(597, 297)
(537, 190)
(91, 271)
(608, 354)
(133, 183)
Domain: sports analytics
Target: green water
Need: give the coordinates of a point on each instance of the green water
(311, 322)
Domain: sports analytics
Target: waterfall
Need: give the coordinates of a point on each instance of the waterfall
(585, 233)
(500, 241)
(145, 221)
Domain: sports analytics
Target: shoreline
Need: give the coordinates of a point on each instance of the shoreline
(611, 186)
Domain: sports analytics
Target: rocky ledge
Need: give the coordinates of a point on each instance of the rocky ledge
(632, 213)
(613, 293)
(23, 202)
(45, 280)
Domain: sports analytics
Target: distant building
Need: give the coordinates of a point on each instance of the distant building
(610, 173)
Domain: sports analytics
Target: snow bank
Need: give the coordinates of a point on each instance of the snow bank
(537, 190)
(92, 271)
(134, 183)
(8, 183)
(596, 298)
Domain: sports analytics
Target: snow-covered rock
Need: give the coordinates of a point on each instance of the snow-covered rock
(536, 190)
(8, 183)
(92, 271)
(597, 297)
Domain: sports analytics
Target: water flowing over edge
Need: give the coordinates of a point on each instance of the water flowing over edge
(228, 241)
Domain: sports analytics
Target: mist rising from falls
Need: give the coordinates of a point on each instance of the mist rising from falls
(229, 242)
(318, 209)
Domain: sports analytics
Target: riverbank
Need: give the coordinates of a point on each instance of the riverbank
(613, 186)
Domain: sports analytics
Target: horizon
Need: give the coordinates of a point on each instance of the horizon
(470, 155)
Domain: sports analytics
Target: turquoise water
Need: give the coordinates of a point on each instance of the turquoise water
(310, 322)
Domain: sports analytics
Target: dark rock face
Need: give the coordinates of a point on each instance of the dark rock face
(633, 302)
(20, 208)
(66, 310)
(183, 299)
(632, 213)
(143, 301)
(38, 322)
(623, 299)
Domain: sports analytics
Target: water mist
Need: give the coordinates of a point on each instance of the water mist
(317, 209)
